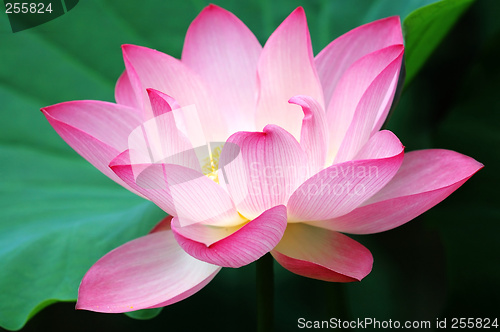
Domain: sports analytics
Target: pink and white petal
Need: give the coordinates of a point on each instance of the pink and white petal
(199, 199)
(426, 178)
(163, 225)
(164, 73)
(339, 189)
(148, 272)
(322, 254)
(350, 90)
(127, 91)
(161, 103)
(179, 191)
(384, 143)
(286, 69)
(425, 170)
(245, 245)
(375, 102)
(262, 169)
(159, 139)
(224, 52)
(95, 151)
(109, 123)
(340, 54)
(314, 133)
(139, 176)
(387, 102)
(207, 234)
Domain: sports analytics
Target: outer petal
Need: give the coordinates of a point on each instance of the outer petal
(224, 52)
(164, 73)
(245, 245)
(286, 69)
(341, 188)
(267, 168)
(425, 179)
(128, 90)
(98, 131)
(179, 191)
(322, 254)
(351, 89)
(376, 100)
(314, 133)
(151, 271)
(340, 54)
(109, 123)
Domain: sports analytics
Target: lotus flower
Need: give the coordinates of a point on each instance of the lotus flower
(293, 156)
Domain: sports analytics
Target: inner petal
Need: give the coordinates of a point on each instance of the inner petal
(209, 234)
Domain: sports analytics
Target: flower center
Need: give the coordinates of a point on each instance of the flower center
(211, 164)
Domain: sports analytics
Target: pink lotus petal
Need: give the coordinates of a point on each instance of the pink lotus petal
(341, 188)
(98, 131)
(207, 234)
(182, 135)
(245, 245)
(314, 133)
(93, 150)
(322, 254)
(179, 191)
(267, 168)
(340, 54)
(384, 143)
(164, 73)
(163, 225)
(161, 103)
(350, 90)
(224, 52)
(128, 90)
(147, 186)
(110, 123)
(375, 103)
(151, 271)
(159, 140)
(286, 69)
(426, 178)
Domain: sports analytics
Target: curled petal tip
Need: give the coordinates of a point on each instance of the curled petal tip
(299, 10)
(212, 7)
(126, 46)
(152, 92)
(395, 18)
(298, 100)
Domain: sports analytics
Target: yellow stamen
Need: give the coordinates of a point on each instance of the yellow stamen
(211, 164)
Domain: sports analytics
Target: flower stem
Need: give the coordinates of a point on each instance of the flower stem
(265, 293)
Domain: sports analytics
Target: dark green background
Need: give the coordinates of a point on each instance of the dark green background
(443, 264)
